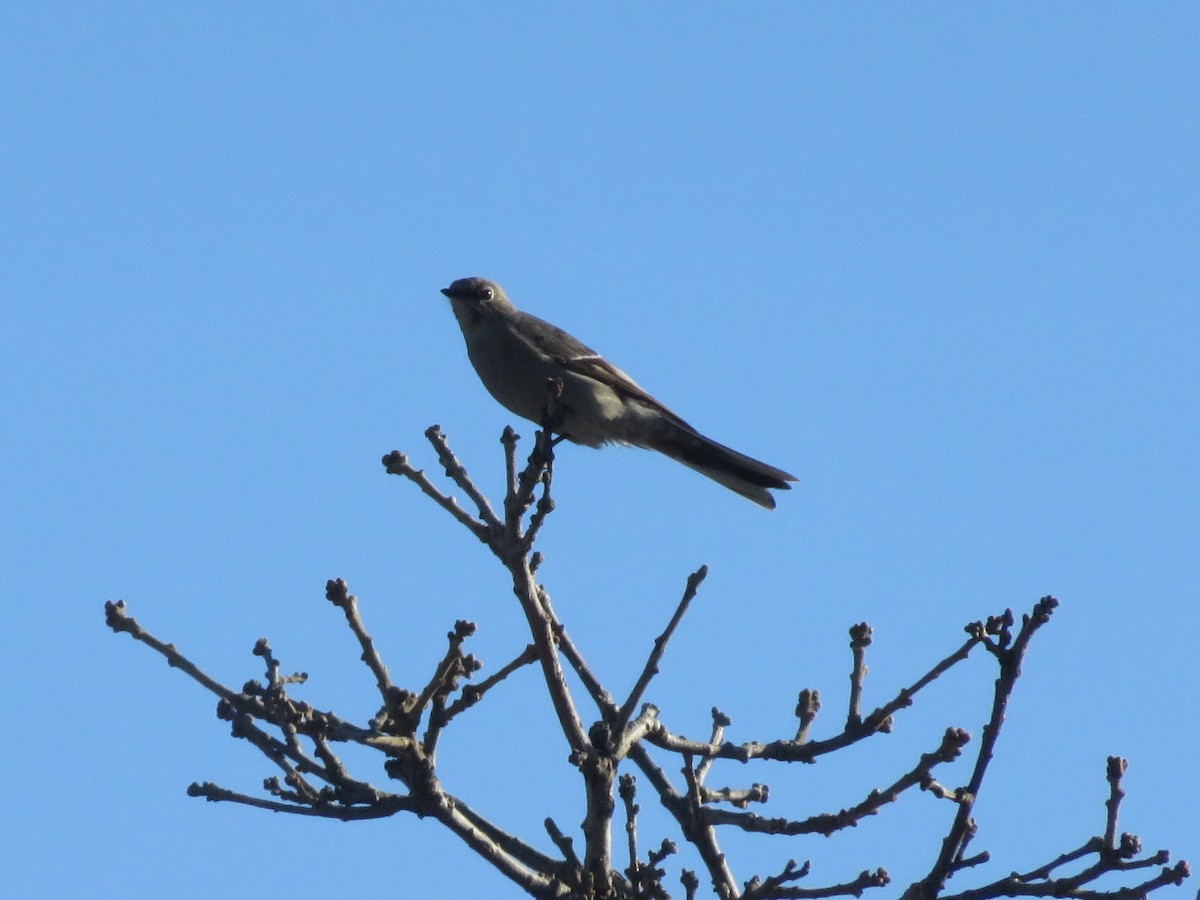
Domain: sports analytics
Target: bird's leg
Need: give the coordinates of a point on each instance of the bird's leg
(552, 418)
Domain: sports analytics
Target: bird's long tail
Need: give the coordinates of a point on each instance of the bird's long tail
(724, 465)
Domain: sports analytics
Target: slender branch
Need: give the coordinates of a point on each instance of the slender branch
(702, 837)
(509, 843)
(1009, 658)
(337, 593)
(797, 750)
(473, 693)
(449, 668)
(860, 639)
(457, 473)
(866, 879)
(119, 622)
(808, 704)
(720, 723)
(827, 823)
(1114, 772)
(380, 808)
(454, 816)
(600, 696)
(627, 789)
(565, 844)
(540, 470)
(396, 463)
(660, 646)
(528, 594)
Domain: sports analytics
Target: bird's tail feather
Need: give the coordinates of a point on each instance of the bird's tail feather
(724, 465)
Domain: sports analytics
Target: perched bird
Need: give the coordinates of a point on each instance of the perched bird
(517, 355)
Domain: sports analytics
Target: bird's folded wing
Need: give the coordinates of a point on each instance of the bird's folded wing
(581, 359)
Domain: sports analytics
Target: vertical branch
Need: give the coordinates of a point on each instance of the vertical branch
(628, 792)
(1115, 771)
(808, 704)
(1009, 658)
(860, 639)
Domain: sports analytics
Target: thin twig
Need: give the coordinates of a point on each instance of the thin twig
(1009, 658)
(119, 622)
(473, 693)
(380, 808)
(827, 823)
(860, 639)
(660, 646)
(337, 593)
(396, 463)
(457, 473)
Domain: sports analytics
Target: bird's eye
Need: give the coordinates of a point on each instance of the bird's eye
(485, 293)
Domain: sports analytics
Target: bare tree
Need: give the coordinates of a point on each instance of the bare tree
(630, 734)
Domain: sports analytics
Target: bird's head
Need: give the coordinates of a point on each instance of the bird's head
(476, 292)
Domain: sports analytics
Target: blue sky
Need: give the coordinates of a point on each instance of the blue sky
(941, 261)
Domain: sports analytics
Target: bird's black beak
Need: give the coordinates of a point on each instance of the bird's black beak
(446, 291)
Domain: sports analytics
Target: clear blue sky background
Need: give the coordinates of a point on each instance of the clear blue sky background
(942, 261)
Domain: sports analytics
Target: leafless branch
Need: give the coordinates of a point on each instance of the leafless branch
(473, 693)
(337, 593)
(660, 647)
(300, 740)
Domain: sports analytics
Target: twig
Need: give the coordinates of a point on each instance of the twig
(457, 473)
(473, 693)
(565, 845)
(720, 723)
(702, 837)
(1009, 658)
(827, 823)
(875, 722)
(627, 789)
(119, 622)
(660, 646)
(767, 887)
(808, 704)
(452, 664)
(1114, 772)
(600, 696)
(540, 470)
(396, 463)
(867, 879)
(860, 639)
(337, 593)
(381, 807)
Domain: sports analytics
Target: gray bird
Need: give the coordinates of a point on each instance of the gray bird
(517, 354)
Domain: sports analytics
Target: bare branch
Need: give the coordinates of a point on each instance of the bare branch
(337, 593)
(827, 823)
(382, 807)
(396, 463)
(628, 791)
(806, 751)
(473, 693)
(565, 845)
(457, 473)
(1009, 658)
(866, 880)
(300, 740)
(720, 723)
(118, 621)
(1115, 771)
(808, 704)
(860, 639)
(660, 647)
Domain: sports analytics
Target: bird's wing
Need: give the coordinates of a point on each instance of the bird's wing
(581, 359)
